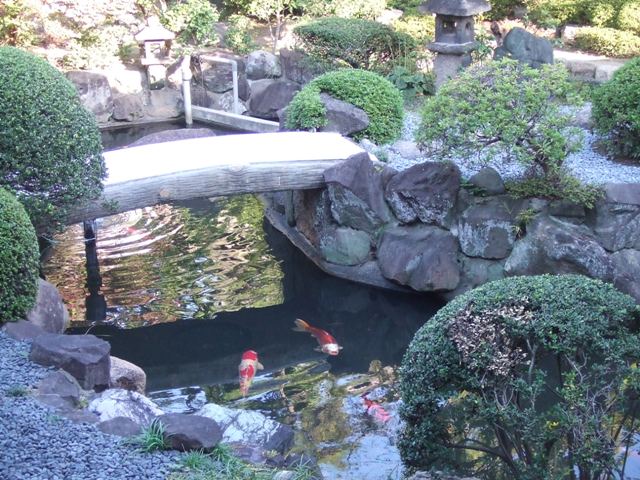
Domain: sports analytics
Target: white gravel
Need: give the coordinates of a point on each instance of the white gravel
(587, 165)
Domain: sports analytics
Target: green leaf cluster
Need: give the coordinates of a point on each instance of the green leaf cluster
(616, 110)
(355, 42)
(546, 388)
(367, 9)
(608, 41)
(50, 149)
(366, 90)
(19, 259)
(412, 83)
(238, 36)
(502, 109)
(563, 187)
(192, 20)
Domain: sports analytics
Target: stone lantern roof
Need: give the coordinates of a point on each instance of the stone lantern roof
(456, 8)
(154, 32)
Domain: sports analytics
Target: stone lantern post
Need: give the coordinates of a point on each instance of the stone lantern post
(155, 41)
(455, 36)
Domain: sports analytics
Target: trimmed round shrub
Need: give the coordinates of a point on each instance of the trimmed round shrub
(19, 259)
(608, 41)
(366, 90)
(616, 110)
(368, 9)
(523, 378)
(629, 17)
(355, 42)
(50, 149)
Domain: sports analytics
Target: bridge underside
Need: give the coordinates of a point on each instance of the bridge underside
(148, 175)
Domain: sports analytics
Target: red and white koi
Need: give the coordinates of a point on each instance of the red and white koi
(247, 369)
(376, 410)
(326, 343)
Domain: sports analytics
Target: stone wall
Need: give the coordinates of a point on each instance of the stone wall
(420, 229)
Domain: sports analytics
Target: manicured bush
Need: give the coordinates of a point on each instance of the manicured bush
(19, 259)
(407, 6)
(629, 17)
(500, 109)
(356, 42)
(421, 28)
(193, 20)
(50, 150)
(524, 378)
(366, 90)
(608, 41)
(616, 110)
(238, 37)
(368, 9)
(503, 8)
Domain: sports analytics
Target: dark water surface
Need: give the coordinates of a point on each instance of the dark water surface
(182, 290)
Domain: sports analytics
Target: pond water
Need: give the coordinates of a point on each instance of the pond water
(182, 290)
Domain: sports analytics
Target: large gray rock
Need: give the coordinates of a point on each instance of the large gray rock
(526, 48)
(346, 246)
(406, 149)
(173, 135)
(421, 257)
(86, 357)
(261, 64)
(190, 432)
(95, 93)
(22, 330)
(356, 189)
(557, 247)
(489, 181)
(475, 272)
(120, 426)
(165, 103)
(312, 209)
(128, 108)
(298, 67)
(49, 312)
(425, 192)
(616, 218)
(62, 384)
(485, 229)
(126, 375)
(249, 427)
(117, 402)
(626, 272)
(269, 96)
(342, 117)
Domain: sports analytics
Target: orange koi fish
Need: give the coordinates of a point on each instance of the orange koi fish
(376, 410)
(327, 344)
(247, 369)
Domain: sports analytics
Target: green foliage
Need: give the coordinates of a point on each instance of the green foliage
(367, 9)
(100, 48)
(412, 83)
(192, 20)
(50, 149)
(616, 110)
(629, 17)
(421, 28)
(354, 42)
(152, 437)
(503, 8)
(608, 41)
(18, 23)
(564, 187)
(238, 37)
(503, 109)
(17, 391)
(552, 13)
(524, 378)
(19, 259)
(366, 90)
(407, 6)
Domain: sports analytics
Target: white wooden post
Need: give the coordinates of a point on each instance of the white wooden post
(186, 90)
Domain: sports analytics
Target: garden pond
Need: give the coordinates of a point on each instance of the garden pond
(183, 290)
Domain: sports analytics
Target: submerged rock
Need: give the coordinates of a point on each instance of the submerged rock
(249, 427)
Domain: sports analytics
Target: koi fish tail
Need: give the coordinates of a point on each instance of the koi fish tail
(301, 326)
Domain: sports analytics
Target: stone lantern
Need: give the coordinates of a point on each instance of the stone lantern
(455, 36)
(155, 41)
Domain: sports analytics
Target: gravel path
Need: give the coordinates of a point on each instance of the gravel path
(37, 444)
(587, 164)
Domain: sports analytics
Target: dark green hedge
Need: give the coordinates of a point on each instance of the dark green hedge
(50, 150)
(616, 110)
(608, 41)
(359, 43)
(366, 90)
(19, 259)
(506, 373)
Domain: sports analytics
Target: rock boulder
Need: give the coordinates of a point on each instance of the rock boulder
(95, 93)
(626, 272)
(616, 218)
(128, 108)
(425, 192)
(126, 375)
(269, 96)
(120, 426)
(261, 64)
(346, 246)
(342, 117)
(117, 402)
(86, 357)
(485, 229)
(190, 432)
(62, 384)
(526, 48)
(50, 312)
(421, 257)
